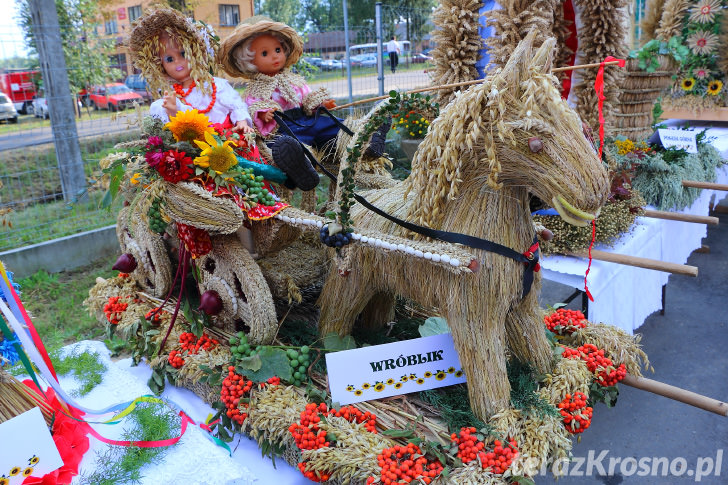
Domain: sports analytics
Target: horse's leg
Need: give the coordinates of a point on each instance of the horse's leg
(379, 311)
(526, 334)
(342, 299)
(477, 324)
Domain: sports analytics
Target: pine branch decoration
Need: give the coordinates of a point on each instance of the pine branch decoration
(458, 44)
(651, 21)
(672, 20)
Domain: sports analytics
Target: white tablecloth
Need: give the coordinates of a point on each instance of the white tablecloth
(195, 459)
(624, 295)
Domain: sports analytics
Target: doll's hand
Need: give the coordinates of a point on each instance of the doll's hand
(169, 103)
(243, 127)
(329, 104)
(268, 115)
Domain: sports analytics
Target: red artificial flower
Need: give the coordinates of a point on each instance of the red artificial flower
(70, 438)
(175, 166)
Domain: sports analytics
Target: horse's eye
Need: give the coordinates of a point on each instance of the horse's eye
(535, 144)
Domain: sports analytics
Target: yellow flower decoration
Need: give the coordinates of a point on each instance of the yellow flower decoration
(15, 470)
(358, 392)
(440, 375)
(28, 471)
(379, 387)
(428, 374)
(715, 87)
(390, 381)
(34, 460)
(450, 370)
(366, 385)
(404, 378)
(189, 125)
(219, 157)
(397, 385)
(687, 84)
(350, 388)
(4, 481)
(420, 381)
(135, 178)
(459, 373)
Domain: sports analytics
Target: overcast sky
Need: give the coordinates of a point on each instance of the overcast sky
(11, 37)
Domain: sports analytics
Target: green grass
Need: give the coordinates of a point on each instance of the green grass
(55, 303)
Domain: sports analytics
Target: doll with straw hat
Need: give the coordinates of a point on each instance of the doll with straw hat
(176, 57)
(262, 51)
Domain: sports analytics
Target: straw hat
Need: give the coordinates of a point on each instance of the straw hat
(257, 25)
(196, 39)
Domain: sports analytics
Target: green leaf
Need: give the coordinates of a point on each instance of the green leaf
(274, 362)
(521, 480)
(399, 433)
(334, 342)
(434, 326)
(252, 363)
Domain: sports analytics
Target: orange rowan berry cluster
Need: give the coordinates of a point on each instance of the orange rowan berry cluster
(175, 359)
(114, 308)
(313, 476)
(405, 464)
(577, 415)
(500, 458)
(123, 275)
(605, 372)
(570, 353)
(192, 344)
(565, 322)
(234, 387)
(352, 414)
(468, 444)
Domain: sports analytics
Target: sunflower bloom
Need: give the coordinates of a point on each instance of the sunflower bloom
(715, 87)
(218, 156)
(704, 12)
(189, 126)
(687, 84)
(702, 43)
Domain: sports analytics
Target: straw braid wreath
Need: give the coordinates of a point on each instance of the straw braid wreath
(197, 41)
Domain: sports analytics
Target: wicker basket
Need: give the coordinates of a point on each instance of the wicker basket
(641, 90)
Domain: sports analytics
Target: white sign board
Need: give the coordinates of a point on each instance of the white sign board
(680, 139)
(391, 369)
(27, 448)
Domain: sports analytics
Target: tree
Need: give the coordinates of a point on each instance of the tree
(86, 54)
(286, 11)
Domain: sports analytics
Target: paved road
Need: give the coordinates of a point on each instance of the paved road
(361, 86)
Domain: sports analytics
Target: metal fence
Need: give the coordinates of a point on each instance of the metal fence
(32, 205)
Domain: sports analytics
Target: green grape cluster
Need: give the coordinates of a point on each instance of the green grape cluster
(156, 223)
(299, 360)
(253, 187)
(239, 346)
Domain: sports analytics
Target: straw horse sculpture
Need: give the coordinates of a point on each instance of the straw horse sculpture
(490, 149)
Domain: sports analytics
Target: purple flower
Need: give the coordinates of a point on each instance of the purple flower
(154, 142)
(154, 158)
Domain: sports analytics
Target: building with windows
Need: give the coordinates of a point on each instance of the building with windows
(118, 16)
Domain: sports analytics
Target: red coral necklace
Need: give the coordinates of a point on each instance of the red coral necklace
(182, 95)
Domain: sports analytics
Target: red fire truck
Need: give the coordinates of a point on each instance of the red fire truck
(19, 87)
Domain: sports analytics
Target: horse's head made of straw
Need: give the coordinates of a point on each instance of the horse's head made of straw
(513, 131)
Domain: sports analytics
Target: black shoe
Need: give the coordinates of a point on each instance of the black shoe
(288, 156)
(376, 145)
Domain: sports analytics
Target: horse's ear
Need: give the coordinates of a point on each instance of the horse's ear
(520, 60)
(544, 57)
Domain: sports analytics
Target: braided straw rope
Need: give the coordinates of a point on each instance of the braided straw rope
(189, 203)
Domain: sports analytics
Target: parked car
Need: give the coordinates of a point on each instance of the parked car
(421, 58)
(314, 61)
(40, 106)
(7, 110)
(139, 85)
(113, 96)
(331, 65)
(364, 60)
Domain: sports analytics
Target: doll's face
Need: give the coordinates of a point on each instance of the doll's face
(269, 54)
(173, 59)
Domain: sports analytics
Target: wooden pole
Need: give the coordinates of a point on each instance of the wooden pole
(704, 185)
(678, 394)
(467, 83)
(640, 262)
(676, 216)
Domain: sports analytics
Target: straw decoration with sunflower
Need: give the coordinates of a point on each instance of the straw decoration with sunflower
(715, 87)
(189, 126)
(687, 84)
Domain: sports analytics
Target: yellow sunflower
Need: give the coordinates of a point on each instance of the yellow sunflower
(715, 87)
(687, 84)
(379, 386)
(397, 385)
(189, 125)
(390, 381)
(440, 375)
(358, 392)
(219, 157)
